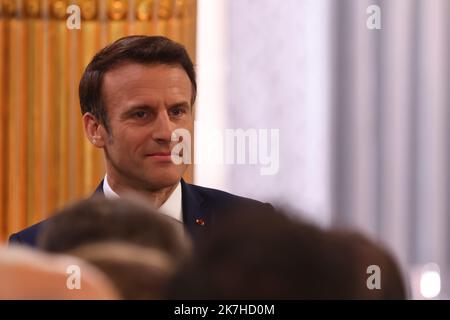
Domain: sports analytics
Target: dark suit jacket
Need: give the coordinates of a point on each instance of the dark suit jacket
(200, 205)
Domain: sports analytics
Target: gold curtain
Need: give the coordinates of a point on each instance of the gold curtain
(45, 160)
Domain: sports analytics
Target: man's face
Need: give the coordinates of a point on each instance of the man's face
(145, 104)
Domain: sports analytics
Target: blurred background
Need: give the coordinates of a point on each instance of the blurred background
(363, 114)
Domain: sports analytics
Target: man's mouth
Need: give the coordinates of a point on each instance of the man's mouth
(159, 154)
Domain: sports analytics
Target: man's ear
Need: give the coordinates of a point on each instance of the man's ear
(95, 131)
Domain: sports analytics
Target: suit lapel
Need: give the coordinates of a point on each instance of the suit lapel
(195, 215)
(99, 190)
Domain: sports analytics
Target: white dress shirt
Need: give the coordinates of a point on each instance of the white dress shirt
(171, 207)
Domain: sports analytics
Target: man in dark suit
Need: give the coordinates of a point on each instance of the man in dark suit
(134, 94)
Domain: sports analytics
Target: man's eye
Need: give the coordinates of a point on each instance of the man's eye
(177, 112)
(140, 114)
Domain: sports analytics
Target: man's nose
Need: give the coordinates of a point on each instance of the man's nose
(162, 128)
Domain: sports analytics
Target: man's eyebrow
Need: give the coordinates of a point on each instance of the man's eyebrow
(180, 104)
(135, 107)
(143, 106)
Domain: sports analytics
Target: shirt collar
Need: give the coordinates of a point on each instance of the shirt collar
(109, 193)
(171, 207)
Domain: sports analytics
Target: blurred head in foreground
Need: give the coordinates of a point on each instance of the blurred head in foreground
(137, 247)
(267, 255)
(120, 220)
(27, 274)
(137, 272)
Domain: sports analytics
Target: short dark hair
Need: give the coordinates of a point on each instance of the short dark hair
(146, 50)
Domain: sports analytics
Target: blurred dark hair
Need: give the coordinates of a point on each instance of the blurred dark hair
(99, 219)
(137, 272)
(146, 50)
(267, 255)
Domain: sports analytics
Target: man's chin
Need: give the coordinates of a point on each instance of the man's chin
(161, 182)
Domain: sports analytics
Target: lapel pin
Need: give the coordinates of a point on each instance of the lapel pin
(200, 222)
